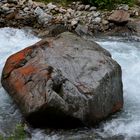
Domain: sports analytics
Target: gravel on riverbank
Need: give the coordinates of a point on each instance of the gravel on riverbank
(52, 19)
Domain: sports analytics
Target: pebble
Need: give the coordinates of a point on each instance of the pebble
(136, 13)
(5, 8)
(105, 22)
(95, 14)
(87, 7)
(38, 11)
(81, 29)
(62, 10)
(123, 7)
(81, 7)
(97, 19)
(74, 22)
(26, 9)
(50, 6)
(93, 8)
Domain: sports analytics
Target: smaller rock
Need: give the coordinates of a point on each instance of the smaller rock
(77, 13)
(29, 2)
(74, 22)
(134, 27)
(123, 7)
(56, 29)
(10, 11)
(96, 14)
(97, 19)
(81, 7)
(87, 7)
(11, 15)
(105, 22)
(136, 13)
(43, 34)
(119, 17)
(82, 30)
(38, 4)
(26, 9)
(39, 11)
(77, 4)
(2, 22)
(69, 10)
(62, 10)
(56, 9)
(21, 2)
(74, 3)
(43, 18)
(93, 8)
(67, 16)
(5, 8)
(51, 6)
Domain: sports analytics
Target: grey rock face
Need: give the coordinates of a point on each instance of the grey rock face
(64, 81)
(134, 27)
(43, 17)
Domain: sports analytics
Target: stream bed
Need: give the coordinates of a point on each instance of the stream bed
(124, 125)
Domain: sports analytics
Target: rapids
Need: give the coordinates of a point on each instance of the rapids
(124, 125)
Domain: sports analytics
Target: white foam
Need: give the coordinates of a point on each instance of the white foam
(127, 123)
(11, 41)
(127, 54)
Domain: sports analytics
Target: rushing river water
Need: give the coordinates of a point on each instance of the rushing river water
(123, 125)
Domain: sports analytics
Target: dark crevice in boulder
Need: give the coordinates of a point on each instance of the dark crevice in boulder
(53, 118)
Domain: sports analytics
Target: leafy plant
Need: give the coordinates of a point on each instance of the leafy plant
(108, 3)
(18, 134)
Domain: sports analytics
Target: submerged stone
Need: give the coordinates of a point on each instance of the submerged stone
(63, 82)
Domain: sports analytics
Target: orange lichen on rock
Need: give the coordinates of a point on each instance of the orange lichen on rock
(18, 85)
(14, 61)
(117, 107)
(27, 70)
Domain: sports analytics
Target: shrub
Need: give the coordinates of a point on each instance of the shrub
(108, 3)
(18, 134)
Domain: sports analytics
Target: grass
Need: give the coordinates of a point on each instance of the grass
(61, 2)
(18, 134)
(102, 4)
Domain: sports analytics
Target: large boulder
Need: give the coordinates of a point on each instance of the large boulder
(64, 81)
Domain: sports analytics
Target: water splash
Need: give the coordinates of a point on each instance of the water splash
(123, 125)
(11, 41)
(127, 123)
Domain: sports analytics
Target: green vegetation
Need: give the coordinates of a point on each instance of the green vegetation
(18, 134)
(62, 2)
(109, 4)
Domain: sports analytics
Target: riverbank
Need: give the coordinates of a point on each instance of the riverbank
(49, 19)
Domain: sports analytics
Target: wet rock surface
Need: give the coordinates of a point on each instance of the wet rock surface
(63, 82)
